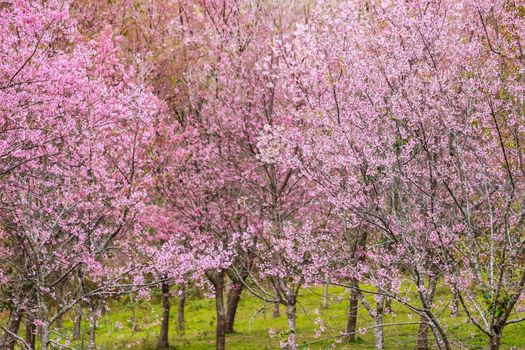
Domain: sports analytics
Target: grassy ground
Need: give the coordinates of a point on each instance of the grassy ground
(254, 319)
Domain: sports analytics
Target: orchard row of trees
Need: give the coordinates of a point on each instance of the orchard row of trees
(263, 146)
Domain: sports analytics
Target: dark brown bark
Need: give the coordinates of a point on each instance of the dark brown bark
(30, 337)
(357, 254)
(163, 341)
(234, 295)
(495, 342)
(181, 322)
(351, 326)
(59, 322)
(78, 322)
(8, 341)
(220, 338)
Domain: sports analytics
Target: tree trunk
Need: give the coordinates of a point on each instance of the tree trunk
(351, 326)
(134, 326)
(378, 325)
(234, 295)
(388, 305)
(439, 334)
(291, 315)
(78, 322)
(44, 337)
(422, 337)
(93, 326)
(325, 294)
(59, 322)
(276, 305)
(163, 342)
(220, 341)
(30, 337)
(355, 293)
(495, 342)
(8, 342)
(276, 312)
(181, 323)
(60, 293)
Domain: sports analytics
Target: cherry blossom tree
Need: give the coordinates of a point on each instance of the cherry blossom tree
(410, 123)
(169, 261)
(73, 128)
(201, 206)
(217, 182)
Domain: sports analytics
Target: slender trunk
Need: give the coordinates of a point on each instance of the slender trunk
(455, 308)
(276, 312)
(325, 293)
(134, 326)
(44, 337)
(8, 342)
(163, 342)
(234, 295)
(93, 325)
(291, 314)
(355, 292)
(377, 314)
(439, 334)
(276, 305)
(388, 305)
(379, 332)
(378, 326)
(422, 337)
(181, 323)
(59, 322)
(351, 326)
(220, 341)
(78, 322)
(30, 332)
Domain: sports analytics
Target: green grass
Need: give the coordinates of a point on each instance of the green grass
(254, 318)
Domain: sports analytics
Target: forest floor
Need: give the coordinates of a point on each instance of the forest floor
(254, 319)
